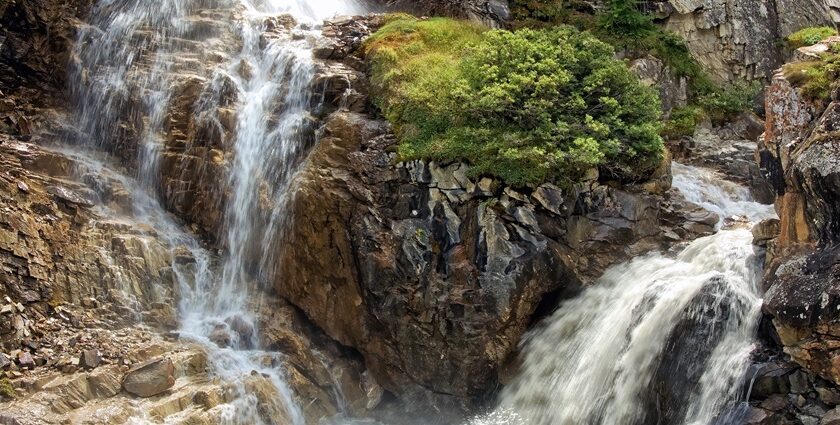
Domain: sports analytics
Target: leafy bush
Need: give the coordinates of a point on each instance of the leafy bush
(527, 106)
(683, 121)
(810, 36)
(722, 104)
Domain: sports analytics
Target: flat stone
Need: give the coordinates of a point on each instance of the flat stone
(70, 196)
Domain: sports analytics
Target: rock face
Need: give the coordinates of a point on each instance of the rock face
(433, 276)
(36, 40)
(801, 156)
(739, 39)
(490, 12)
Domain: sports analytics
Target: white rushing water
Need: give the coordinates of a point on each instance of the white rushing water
(125, 66)
(594, 361)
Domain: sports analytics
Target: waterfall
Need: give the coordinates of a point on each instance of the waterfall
(660, 339)
(123, 71)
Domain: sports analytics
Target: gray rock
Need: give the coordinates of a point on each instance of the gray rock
(69, 196)
(90, 359)
(829, 396)
(25, 360)
(550, 197)
(150, 378)
(832, 417)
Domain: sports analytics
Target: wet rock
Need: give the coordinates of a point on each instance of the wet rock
(70, 196)
(150, 378)
(765, 232)
(434, 263)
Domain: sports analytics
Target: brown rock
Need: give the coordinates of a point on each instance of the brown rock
(150, 378)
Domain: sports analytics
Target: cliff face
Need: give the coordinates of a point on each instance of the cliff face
(740, 39)
(800, 154)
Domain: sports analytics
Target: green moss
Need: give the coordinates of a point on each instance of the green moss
(6, 389)
(816, 78)
(526, 106)
(810, 36)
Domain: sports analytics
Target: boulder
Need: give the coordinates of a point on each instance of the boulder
(150, 378)
(90, 359)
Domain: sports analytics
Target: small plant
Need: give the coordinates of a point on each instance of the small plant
(722, 104)
(6, 389)
(810, 36)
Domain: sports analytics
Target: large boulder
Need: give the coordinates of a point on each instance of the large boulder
(434, 276)
(150, 378)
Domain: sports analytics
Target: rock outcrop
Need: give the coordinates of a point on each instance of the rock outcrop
(434, 276)
(740, 39)
(801, 156)
(493, 13)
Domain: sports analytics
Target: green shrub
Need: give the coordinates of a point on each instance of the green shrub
(723, 104)
(6, 389)
(810, 36)
(526, 106)
(683, 121)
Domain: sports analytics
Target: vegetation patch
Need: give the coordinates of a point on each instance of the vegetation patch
(626, 25)
(815, 79)
(6, 389)
(810, 36)
(528, 106)
(683, 121)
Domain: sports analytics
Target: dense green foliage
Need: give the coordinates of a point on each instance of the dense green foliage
(625, 25)
(527, 106)
(810, 36)
(683, 121)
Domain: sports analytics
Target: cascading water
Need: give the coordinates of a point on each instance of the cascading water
(658, 339)
(124, 70)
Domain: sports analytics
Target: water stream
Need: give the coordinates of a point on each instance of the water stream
(659, 339)
(126, 63)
